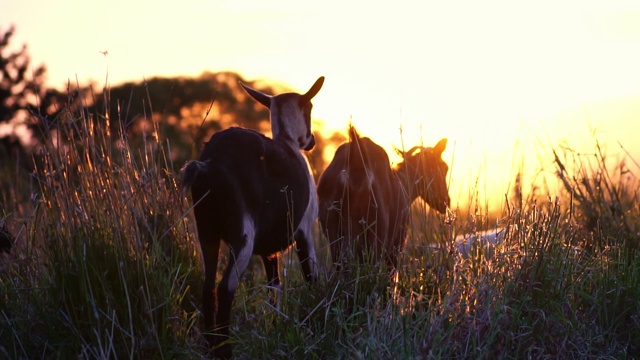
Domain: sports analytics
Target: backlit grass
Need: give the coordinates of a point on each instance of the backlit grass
(105, 264)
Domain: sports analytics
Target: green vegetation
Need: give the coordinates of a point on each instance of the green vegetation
(106, 265)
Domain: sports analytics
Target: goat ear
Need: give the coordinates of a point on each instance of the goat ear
(312, 92)
(260, 97)
(440, 146)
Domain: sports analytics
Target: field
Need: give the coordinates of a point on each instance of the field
(106, 264)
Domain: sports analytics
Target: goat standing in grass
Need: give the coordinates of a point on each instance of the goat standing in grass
(6, 239)
(364, 204)
(256, 194)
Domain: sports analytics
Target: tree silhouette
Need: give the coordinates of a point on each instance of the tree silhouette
(182, 110)
(19, 91)
(185, 110)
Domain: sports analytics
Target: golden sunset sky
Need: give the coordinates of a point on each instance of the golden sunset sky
(504, 81)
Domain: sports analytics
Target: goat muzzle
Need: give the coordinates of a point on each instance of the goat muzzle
(310, 144)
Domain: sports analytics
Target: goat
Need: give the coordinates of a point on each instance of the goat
(364, 204)
(257, 194)
(6, 238)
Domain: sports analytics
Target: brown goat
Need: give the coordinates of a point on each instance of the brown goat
(364, 204)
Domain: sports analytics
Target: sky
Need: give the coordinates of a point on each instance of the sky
(504, 81)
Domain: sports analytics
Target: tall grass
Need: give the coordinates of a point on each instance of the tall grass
(106, 265)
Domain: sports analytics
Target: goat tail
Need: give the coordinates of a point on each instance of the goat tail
(190, 171)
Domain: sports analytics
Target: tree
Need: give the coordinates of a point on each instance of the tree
(174, 108)
(21, 92)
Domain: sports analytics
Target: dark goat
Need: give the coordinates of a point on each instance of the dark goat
(364, 205)
(5, 238)
(256, 194)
